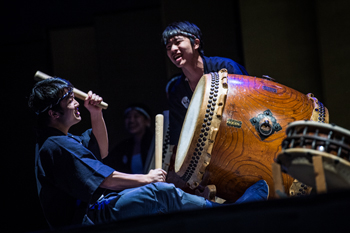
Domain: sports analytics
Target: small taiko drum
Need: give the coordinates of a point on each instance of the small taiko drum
(233, 132)
(306, 139)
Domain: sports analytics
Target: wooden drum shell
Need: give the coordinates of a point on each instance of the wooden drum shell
(240, 156)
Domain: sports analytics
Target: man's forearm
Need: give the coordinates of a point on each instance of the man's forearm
(99, 129)
(119, 181)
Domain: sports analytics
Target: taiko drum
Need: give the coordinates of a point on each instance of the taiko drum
(233, 131)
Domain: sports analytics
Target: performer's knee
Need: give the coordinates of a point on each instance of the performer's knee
(164, 187)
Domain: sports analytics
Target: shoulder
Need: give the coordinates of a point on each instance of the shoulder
(54, 142)
(87, 133)
(174, 83)
(52, 148)
(58, 144)
(177, 88)
(86, 138)
(218, 59)
(214, 64)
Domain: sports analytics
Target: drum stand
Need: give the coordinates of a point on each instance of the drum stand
(208, 193)
(320, 179)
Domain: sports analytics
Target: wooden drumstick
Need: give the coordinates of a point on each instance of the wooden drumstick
(159, 140)
(78, 93)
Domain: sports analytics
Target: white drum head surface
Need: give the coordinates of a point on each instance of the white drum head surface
(189, 124)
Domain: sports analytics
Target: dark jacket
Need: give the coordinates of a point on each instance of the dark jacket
(180, 93)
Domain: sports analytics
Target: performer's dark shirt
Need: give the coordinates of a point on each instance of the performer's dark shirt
(180, 93)
(69, 171)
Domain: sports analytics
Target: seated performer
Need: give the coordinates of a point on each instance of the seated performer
(184, 45)
(71, 178)
(130, 155)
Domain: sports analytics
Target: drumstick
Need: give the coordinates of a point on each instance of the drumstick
(159, 140)
(78, 93)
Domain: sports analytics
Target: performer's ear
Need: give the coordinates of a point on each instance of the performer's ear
(196, 43)
(53, 114)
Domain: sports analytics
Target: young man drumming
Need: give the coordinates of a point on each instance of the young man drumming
(184, 45)
(71, 178)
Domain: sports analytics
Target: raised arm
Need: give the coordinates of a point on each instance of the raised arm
(120, 181)
(98, 125)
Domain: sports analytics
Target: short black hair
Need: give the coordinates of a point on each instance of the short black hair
(184, 28)
(46, 95)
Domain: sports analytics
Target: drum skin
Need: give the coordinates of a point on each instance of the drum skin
(241, 155)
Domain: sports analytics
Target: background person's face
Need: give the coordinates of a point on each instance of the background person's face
(136, 123)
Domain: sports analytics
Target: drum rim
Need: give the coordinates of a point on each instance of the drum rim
(318, 125)
(292, 154)
(303, 151)
(198, 155)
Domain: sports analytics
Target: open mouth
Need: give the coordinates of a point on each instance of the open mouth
(76, 112)
(177, 57)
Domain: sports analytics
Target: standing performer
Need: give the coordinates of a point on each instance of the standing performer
(184, 45)
(71, 178)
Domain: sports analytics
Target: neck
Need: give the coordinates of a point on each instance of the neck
(194, 71)
(60, 127)
(138, 137)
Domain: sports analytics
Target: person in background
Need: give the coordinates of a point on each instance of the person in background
(130, 155)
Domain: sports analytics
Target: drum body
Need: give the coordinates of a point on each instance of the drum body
(233, 132)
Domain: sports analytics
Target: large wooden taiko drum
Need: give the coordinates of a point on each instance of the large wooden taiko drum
(233, 131)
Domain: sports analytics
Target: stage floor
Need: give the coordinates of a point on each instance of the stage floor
(314, 213)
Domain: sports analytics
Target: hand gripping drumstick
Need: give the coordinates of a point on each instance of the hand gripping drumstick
(79, 94)
(159, 140)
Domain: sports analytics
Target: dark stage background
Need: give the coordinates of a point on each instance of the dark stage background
(114, 48)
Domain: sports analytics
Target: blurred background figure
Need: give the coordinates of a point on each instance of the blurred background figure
(130, 156)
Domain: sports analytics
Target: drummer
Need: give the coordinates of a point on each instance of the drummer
(184, 45)
(71, 178)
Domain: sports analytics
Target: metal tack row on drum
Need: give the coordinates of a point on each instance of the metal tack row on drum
(233, 132)
(203, 121)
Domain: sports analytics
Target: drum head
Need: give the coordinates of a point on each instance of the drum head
(190, 123)
(200, 127)
(298, 163)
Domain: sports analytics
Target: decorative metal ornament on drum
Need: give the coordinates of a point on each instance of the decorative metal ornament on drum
(233, 132)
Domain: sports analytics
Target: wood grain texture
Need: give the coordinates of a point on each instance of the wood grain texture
(240, 157)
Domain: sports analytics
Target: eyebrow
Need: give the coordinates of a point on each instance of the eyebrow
(177, 37)
(70, 96)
